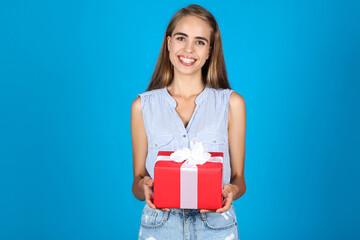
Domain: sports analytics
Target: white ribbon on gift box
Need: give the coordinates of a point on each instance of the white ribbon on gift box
(197, 154)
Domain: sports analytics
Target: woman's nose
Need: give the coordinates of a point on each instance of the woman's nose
(189, 46)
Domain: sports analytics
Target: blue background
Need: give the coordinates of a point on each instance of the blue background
(69, 71)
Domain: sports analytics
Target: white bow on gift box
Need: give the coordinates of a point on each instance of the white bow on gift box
(196, 154)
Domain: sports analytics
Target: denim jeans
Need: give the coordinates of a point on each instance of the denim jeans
(187, 224)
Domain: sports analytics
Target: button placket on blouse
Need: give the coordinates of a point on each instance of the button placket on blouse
(184, 140)
(183, 132)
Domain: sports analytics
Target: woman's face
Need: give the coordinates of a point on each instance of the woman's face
(189, 45)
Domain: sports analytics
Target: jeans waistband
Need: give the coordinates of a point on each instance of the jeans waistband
(185, 211)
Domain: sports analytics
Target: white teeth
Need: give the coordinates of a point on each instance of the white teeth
(187, 60)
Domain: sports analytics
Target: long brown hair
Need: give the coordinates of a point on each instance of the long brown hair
(214, 70)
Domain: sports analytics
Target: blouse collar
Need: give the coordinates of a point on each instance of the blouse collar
(198, 99)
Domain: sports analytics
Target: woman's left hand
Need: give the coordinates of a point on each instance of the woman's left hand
(228, 194)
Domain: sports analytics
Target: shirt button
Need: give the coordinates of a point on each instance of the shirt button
(214, 141)
(184, 135)
(155, 145)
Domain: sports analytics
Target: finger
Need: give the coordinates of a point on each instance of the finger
(149, 198)
(206, 210)
(224, 208)
(226, 192)
(147, 180)
(225, 195)
(151, 183)
(221, 210)
(148, 202)
(227, 204)
(165, 209)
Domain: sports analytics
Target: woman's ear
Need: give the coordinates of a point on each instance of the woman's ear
(209, 53)
(168, 42)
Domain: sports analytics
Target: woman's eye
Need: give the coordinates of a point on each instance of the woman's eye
(201, 43)
(180, 38)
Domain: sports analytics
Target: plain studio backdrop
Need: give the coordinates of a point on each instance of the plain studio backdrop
(69, 71)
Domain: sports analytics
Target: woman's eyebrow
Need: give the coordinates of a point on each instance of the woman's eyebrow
(184, 34)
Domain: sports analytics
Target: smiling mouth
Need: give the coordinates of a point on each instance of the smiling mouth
(187, 61)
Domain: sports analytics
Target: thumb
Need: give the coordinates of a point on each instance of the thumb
(147, 180)
(151, 183)
(224, 193)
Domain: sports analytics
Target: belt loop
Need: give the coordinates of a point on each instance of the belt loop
(167, 213)
(203, 216)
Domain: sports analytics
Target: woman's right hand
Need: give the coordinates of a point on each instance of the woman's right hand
(148, 185)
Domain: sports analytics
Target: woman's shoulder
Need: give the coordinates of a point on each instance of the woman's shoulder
(236, 98)
(154, 92)
(236, 102)
(142, 99)
(136, 105)
(223, 92)
(230, 95)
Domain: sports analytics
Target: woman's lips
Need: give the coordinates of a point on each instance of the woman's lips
(186, 61)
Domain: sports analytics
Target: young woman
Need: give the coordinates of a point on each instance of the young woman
(189, 96)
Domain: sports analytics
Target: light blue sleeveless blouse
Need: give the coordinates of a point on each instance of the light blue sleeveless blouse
(166, 132)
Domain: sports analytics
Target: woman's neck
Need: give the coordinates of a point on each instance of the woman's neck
(186, 86)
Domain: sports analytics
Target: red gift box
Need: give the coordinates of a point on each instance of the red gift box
(179, 185)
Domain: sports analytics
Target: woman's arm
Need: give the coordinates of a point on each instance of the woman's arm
(142, 184)
(236, 128)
